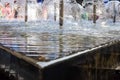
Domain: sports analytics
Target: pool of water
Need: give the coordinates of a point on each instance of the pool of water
(45, 42)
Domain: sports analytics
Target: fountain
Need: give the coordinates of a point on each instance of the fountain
(112, 9)
(43, 28)
(73, 12)
(57, 31)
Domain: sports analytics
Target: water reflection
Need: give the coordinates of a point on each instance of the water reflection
(49, 44)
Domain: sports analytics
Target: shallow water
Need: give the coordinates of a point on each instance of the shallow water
(51, 42)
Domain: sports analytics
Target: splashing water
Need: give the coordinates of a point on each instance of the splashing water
(45, 37)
